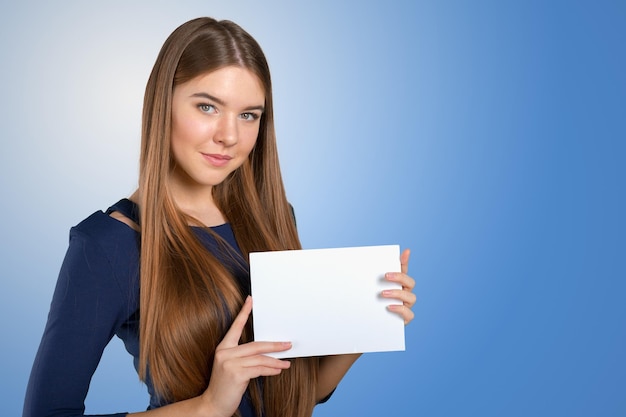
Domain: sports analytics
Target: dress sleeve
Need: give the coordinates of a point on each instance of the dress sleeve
(87, 307)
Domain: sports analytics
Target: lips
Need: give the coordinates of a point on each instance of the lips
(216, 160)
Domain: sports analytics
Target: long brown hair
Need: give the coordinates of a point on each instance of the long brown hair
(188, 298)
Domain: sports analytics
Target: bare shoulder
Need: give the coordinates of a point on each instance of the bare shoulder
(124, 219)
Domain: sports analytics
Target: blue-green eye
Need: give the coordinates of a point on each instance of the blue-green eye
(206, 108)
(250, 117)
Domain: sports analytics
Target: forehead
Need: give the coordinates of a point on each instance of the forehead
(233, 85)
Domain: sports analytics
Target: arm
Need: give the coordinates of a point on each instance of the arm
(334, 368)
(86, 308)
(234, 366)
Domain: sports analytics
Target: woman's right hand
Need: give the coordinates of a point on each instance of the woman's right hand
(235, 365)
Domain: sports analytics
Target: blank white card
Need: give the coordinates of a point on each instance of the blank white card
(326, 301)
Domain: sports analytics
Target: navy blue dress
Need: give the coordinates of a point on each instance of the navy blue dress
(97, 297)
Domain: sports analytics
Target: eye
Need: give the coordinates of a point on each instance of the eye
(207, 108)
(250, 117)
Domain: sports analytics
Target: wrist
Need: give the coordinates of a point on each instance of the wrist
(206, 407)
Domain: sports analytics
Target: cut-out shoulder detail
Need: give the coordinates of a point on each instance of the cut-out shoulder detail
(124, 219)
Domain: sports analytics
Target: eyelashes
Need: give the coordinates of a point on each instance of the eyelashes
(250, 117)
(210, 109)
(207, 108)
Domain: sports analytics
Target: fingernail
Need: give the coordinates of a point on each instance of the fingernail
(286, 344)
(386, 293)
(390, 276)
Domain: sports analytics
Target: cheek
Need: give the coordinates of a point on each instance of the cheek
(189, 131)
(248, 139)
(178, 141)
(184, 139)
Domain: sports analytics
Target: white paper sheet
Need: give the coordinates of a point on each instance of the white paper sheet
(326, 301)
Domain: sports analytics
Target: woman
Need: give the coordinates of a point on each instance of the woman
(210, 192)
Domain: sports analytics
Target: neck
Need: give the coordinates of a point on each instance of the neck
(196, 201)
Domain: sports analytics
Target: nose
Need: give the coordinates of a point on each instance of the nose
(227, 131)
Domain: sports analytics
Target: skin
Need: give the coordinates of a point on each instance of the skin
(218, 114)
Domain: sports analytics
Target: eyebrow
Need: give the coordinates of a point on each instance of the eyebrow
(222, 103)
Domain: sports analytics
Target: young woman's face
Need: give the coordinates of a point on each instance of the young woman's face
(215, 124)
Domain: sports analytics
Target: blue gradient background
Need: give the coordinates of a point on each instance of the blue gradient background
(488, 137)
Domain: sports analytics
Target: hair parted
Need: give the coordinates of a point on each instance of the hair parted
(188, 298)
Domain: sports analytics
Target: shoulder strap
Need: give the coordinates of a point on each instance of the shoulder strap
(127, 208)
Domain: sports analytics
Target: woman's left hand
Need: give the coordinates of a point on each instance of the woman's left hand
(405, 295)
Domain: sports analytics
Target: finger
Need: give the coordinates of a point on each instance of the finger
(408, 298)
(239, 374)
(247, 367)
(404, 280)
(258, 348)
(263, 361)
(403, 311)
(257, 371)
(404, 261)
(234, 333)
